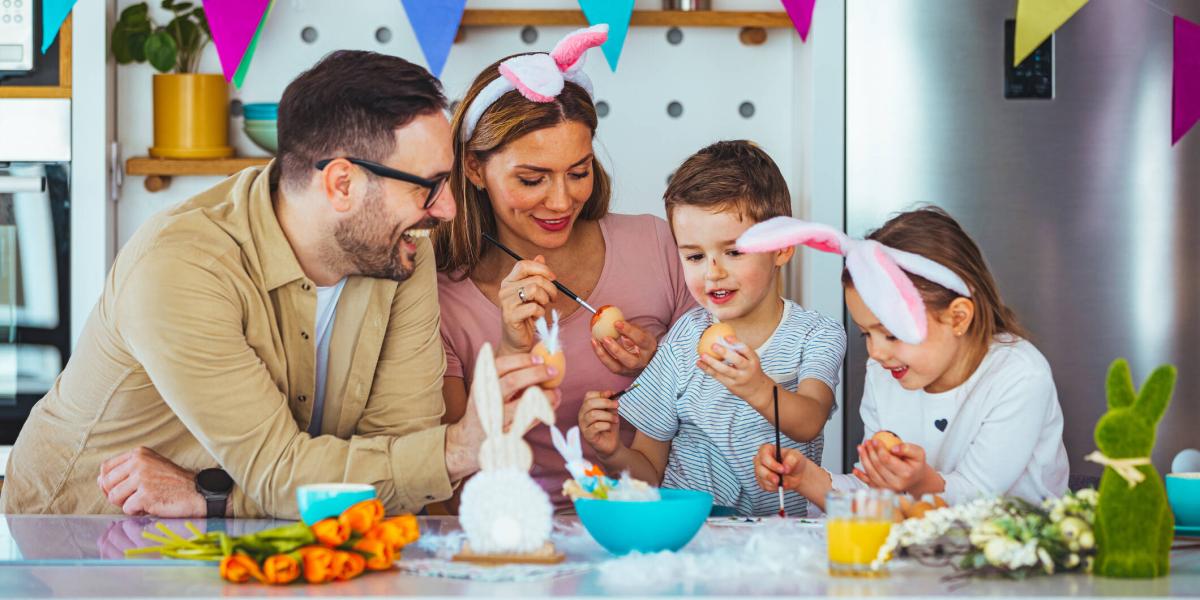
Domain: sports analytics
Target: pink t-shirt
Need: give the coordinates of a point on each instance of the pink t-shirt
(641, 276)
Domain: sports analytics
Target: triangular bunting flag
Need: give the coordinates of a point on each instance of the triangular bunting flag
(435, 22)
(1185, 98)
(615, 13)
(1038, 20)
(235, 25)
(240, 75)
(801, 13)
(54, 12)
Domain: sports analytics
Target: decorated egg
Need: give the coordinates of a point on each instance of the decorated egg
(887, 438)
(604, 322)
(715, 334)
(558, 360)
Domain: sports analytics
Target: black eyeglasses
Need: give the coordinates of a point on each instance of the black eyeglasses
(433, 185)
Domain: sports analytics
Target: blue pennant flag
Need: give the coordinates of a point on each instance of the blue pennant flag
(436, 23)
(54, 12)
(616, 13)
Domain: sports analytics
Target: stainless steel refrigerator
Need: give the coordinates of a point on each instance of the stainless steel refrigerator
(1088, 217)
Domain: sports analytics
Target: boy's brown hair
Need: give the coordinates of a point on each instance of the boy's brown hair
(735, 176)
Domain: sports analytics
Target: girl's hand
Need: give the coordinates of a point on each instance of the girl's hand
(628, 355)
(767, 470)
(530, 279)
(902, 469)
(739, 370)
(599, 423)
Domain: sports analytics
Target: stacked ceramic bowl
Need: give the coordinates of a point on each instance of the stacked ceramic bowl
(260, 124)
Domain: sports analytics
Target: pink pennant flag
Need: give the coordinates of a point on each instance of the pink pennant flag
(233, 24)
(801, 13)
(1185, 99)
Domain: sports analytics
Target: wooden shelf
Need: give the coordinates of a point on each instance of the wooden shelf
(642, 18)
(159, 171)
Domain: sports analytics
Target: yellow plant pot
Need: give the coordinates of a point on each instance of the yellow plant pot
(191, 116)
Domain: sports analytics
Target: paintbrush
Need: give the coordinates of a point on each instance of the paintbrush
(562, 288)
(623, 392)
(778, 451)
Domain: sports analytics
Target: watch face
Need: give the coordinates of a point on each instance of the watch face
(214, 481)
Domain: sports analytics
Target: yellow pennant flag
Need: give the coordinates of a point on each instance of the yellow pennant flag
(1037, 20)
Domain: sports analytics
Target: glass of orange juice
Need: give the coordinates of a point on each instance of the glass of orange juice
(857, 525)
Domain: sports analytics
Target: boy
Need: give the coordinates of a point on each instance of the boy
(701, 418)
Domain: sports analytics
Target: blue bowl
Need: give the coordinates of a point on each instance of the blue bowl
(1183, 494)
(261, 110)
(323, 500)
(667, 524)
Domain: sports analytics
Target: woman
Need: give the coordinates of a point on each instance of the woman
(525, 172)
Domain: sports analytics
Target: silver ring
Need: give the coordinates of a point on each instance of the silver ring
(521, 294)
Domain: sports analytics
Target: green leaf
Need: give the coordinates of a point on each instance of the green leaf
(202, 20)
(182, 7)
(136, 13)
(137, 45)
(120, 45)
(167, 4)
(161, 51)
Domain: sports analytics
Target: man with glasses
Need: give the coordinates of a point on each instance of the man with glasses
(276, 330)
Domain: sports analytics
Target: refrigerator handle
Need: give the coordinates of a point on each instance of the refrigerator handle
(11, 184)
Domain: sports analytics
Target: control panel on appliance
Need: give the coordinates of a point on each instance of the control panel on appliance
(16, 36)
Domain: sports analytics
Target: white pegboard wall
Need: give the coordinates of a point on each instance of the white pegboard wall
(710, 74)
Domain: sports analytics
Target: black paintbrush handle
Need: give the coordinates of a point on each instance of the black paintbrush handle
(562, 288)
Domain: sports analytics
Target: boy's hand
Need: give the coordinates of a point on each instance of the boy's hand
(599, 423)
(629, 354)
(739, 370)
(767, 470)
(902, 469)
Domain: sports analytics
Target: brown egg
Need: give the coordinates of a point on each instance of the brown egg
(558, 360)
(904, 505)
(712, 335)
(939, 502)
(919, 509)
(604, 322)
(887, 438)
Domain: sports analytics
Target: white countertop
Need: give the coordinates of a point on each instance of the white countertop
(65, 557)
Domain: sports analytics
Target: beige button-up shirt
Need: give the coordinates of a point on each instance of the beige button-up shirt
(201, 348)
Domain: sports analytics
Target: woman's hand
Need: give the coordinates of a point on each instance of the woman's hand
(767, 470)
(523, 297)
(599, 423)
(628, 355)
(902, 469)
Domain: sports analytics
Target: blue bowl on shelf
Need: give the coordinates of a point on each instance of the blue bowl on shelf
(261, 111)
(263, 133)
(1183, 495)
(324, 500)
(666, 524)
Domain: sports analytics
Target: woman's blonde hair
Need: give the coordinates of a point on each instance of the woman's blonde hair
(459, 244)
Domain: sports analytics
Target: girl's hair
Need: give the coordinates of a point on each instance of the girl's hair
(931, 232)
(459, 245)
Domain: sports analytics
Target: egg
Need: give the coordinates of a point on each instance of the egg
(604, 322)
(887, 438)
(558, 360)
(713, 335)
(918, 509)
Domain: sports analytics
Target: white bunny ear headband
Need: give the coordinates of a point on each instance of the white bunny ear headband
(539, 77)
(878, 271)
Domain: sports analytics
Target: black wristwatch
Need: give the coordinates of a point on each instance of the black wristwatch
(215, 485)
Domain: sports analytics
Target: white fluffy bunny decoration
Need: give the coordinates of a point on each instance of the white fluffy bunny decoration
(503, 510)
(572, 452)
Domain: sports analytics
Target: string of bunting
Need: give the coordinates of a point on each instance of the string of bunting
(237, 26)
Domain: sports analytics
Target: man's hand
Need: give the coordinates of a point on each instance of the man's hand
(142, 482)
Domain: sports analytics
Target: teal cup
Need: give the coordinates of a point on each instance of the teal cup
(1183, 494)
(666, 524)
(324, 500)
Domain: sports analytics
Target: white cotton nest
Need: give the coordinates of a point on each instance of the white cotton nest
(505, 512)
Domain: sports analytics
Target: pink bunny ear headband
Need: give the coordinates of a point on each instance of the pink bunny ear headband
(539, 77)
(878, 271)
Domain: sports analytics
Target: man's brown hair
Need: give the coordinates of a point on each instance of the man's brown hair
(349, 104)
(735, 176)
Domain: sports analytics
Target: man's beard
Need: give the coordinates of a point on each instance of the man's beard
(374, 248)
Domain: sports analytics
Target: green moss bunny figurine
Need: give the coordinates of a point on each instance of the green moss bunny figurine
(1134, 525)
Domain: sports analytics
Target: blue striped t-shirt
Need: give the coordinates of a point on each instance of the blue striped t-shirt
(714, 435)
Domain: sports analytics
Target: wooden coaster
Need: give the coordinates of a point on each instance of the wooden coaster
(547, 555)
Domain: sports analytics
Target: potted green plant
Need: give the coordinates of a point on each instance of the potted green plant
(191, 112)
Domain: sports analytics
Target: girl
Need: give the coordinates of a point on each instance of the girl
(950, 372)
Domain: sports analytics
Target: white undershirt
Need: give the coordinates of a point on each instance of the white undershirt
(327, 299)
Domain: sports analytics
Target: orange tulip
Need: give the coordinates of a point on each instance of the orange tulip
(318, 563)
(378, 554)
(331, 532)
(281, 569)
(361, 517)
(239, 568)
(347, 565)
(396, 532)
